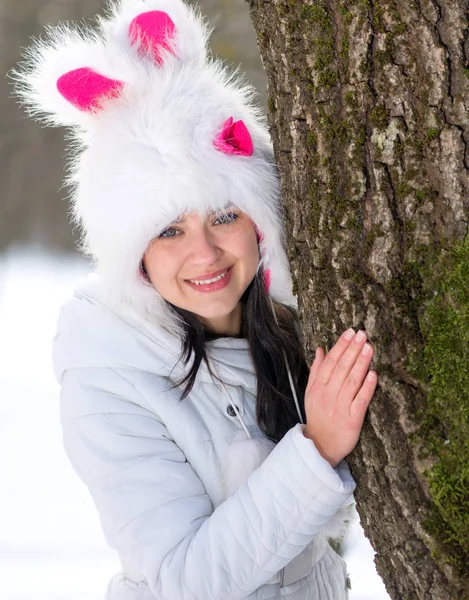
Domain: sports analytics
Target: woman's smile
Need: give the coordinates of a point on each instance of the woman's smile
(211, 284)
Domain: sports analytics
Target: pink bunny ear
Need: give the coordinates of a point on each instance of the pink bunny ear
(87, 90)
(153, 30)
(234, 139)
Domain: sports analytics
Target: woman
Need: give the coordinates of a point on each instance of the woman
(213, 454)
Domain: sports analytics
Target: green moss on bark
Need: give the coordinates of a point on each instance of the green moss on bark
(318, 14)
(432, 134)
(444, 421)
(379, 116)
(420, 195)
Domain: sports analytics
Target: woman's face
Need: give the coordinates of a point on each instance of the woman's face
(219, 250)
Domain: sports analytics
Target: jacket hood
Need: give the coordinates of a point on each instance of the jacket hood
(92, 334)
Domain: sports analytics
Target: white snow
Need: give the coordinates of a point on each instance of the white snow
(51, 544)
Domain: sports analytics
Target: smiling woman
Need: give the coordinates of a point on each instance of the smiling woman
(213, 454)
(204, 265)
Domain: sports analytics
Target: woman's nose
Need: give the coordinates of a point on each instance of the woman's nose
(204, 248)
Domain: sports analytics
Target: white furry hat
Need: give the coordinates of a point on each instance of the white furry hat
(159, 128)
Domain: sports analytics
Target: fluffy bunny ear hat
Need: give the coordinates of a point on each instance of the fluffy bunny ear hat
(159, 128)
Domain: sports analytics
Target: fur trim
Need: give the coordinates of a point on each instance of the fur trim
(146, 154)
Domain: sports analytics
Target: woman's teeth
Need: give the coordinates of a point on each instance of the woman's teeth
(210, 280)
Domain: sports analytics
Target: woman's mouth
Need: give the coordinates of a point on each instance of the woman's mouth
(212, 285)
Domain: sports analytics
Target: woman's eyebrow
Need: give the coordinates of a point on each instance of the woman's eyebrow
(181, 219)
(228, 205)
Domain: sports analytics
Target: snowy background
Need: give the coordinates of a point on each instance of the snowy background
(51, 545)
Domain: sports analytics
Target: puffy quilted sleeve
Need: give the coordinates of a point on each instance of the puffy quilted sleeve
(155, 510)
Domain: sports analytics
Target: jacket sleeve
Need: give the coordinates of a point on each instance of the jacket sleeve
(154, 508)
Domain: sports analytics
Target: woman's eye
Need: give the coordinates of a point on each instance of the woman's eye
(169, 232)
(226, 218)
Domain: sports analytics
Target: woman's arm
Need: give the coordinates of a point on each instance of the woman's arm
(155, 510)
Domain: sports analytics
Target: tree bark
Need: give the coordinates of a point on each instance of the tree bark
(368, 110)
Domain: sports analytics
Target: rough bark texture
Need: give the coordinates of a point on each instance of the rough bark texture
(368, 105)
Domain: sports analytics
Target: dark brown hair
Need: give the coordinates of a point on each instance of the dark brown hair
(275, 407)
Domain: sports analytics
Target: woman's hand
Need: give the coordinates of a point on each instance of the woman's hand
(338, 393)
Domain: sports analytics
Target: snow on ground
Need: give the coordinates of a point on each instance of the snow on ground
(51, 544)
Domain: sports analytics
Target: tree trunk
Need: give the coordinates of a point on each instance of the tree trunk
(368, 109)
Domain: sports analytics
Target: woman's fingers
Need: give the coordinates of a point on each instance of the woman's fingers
(362, 400)
(346, 362)
(332, 358)
(349, 380)
(339, 390)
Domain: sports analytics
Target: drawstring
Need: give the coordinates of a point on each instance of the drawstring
(290, 378)
(235, 408)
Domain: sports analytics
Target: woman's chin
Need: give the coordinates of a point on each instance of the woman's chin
(214, 314)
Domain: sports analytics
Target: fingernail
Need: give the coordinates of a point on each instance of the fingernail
(348, 335)
(366, 349)
(360, 336)
(371, 376)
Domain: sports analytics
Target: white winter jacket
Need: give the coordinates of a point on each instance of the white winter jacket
(157, 468)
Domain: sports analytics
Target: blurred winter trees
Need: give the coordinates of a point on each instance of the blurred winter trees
(33, 206)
